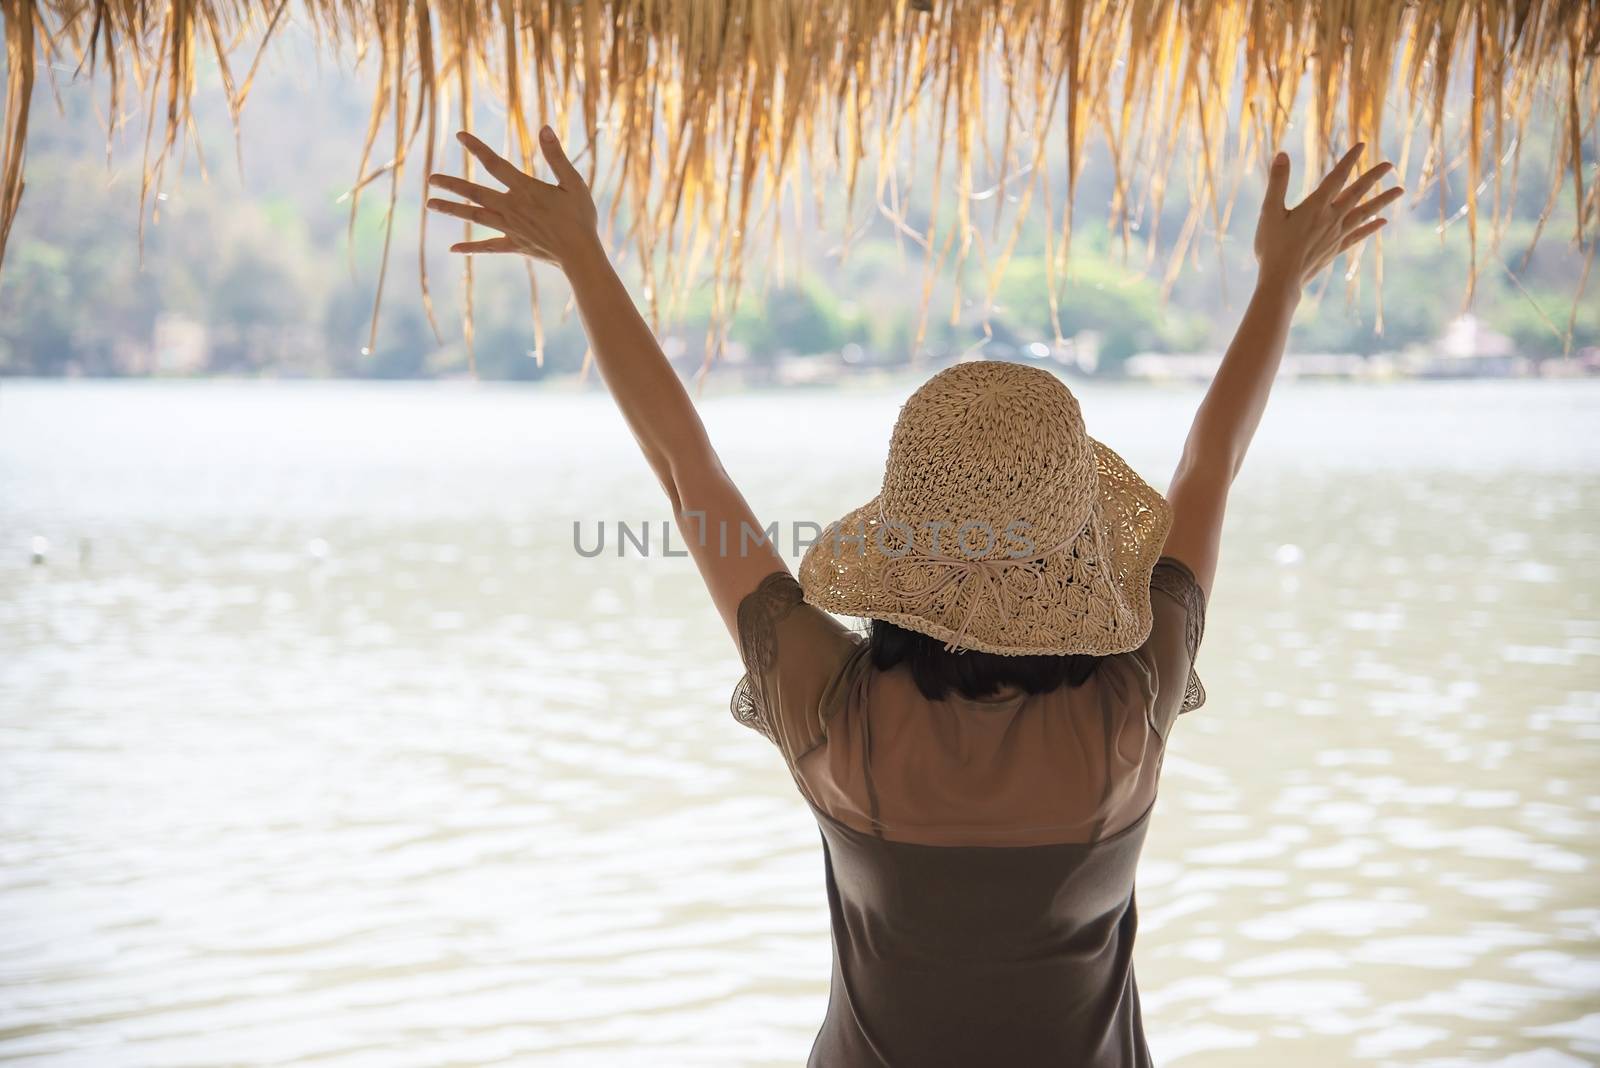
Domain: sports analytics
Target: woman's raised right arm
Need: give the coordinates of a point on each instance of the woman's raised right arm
(556, 223)
(1292, 245)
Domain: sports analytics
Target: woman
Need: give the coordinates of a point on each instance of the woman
(983, 763)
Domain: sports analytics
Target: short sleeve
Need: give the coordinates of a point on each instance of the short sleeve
(1178, 607)
(799, 664)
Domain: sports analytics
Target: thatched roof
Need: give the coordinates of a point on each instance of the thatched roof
(702, 110)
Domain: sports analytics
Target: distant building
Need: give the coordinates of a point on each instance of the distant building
(1203, 366)
(1173, 366)
(1330, 365)
(1082, 351)
(1467, 349)
(1466, 338)
(809, 370)
(178, 346)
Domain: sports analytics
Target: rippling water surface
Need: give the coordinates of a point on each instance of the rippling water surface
(320, 744)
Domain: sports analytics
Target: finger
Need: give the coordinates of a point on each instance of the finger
(1277, 182)
(492, 162)
(469, 212)
(481, 194)
(1360, 186)
(1338, 176)
(567, 175)
(1366, 210)
(1355, 237)
(493, 244)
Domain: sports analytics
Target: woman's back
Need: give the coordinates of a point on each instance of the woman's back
(979, 854)
(965, 955)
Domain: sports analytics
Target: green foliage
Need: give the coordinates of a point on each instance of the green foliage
(1097, 295)
(1537, 324)
(796, 318)
(269, 265)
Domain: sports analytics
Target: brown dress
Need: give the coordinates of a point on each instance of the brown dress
(979, 855)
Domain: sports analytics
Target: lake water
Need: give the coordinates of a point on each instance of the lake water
(320, 744)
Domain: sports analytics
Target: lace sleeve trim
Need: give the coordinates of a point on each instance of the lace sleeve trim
(750, 712)
(762, 609)
(759, 614)
(1173, 577)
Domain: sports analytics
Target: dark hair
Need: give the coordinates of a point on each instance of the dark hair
(971, 673)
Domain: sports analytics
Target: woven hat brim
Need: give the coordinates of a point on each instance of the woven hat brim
(1109, 613)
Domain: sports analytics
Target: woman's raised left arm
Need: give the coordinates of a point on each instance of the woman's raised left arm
(557, 223)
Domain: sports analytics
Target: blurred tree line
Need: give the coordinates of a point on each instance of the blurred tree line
(260, 257)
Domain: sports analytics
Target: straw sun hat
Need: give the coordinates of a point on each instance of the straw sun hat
(1002, 526)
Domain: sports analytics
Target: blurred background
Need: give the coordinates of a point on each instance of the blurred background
(323, 744)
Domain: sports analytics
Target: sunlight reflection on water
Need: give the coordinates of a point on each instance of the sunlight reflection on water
(331, 747)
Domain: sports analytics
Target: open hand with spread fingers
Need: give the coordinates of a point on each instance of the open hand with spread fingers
(1294, 245)
(552, 222)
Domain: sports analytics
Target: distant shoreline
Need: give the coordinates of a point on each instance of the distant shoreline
(1183, 370)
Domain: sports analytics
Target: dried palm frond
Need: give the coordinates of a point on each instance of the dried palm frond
(707, 111)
